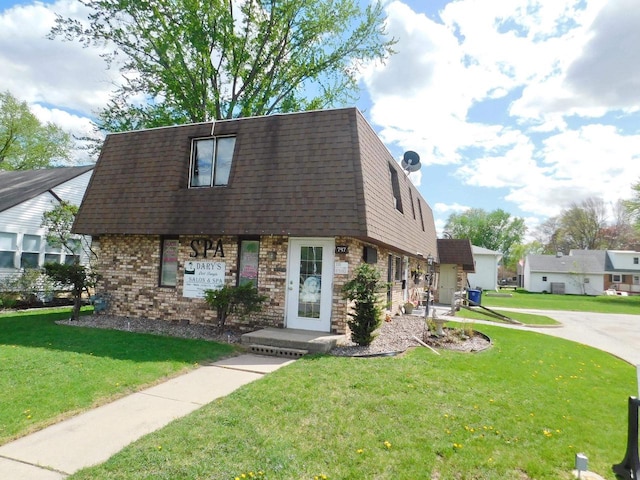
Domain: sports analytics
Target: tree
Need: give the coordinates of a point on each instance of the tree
(585, 226)
(582, 223)
(26, 143)
(58, 223)
(363, 289)
(632, 206)
(197, 60)
(495, 230)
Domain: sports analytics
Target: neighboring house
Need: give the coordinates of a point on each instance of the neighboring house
(622, 271)
(579, 273)
(291, 203)
(485, 276)
(455, 257)
(24, 197)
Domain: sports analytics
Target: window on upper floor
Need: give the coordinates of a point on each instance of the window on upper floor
(211, 160)
(635, 260)
(395, 188)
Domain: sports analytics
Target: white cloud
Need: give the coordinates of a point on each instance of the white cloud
(443, 208)
(565, 63)
(51, 72)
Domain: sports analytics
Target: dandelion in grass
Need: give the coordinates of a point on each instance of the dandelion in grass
(387, 444)
(457, 446)
(360, 450)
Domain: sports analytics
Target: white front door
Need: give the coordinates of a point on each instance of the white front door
(310, 283)
(447, 280)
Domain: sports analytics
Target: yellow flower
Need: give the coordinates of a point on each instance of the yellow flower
(387, 444)
(360, 450)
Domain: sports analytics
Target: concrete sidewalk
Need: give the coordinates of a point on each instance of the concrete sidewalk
(94, 436)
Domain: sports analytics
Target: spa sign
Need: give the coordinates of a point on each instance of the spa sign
(202, 275)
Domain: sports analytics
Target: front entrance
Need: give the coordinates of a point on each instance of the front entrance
(447, 283)
(310, 283)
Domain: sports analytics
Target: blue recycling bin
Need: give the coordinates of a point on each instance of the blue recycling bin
(475, 296)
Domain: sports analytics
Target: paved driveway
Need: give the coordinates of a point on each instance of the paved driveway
(614, 333)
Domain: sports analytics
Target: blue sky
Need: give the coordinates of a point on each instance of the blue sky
(524, 105)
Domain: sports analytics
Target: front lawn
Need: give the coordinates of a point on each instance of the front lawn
(50, 371)
(520, 410)
(525, 318)
(579, 303)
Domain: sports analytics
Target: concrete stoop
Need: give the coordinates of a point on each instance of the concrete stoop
(289, 342)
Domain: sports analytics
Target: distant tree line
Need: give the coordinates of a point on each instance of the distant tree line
(586, 225)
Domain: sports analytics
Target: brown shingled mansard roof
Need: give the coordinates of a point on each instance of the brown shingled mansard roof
(322, 173)
(456, 251)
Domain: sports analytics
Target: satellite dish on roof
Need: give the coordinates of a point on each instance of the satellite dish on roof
(411, 161)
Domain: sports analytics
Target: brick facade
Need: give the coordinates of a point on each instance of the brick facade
(129, 268)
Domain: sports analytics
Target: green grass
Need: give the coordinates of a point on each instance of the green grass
(525, 318)
(579, 303)
(520, 410)
(49, 371)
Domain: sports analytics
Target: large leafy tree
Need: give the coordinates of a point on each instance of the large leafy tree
(197, 60)
(25, 142)
(632, 206)
(588, 225)
(495, 230)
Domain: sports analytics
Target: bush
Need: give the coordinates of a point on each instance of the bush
(74, 276)
(32, 286)
(229, 300)
(363, 290)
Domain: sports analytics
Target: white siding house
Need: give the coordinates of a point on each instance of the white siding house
(580, 273)
(623, 271)
(24, 197)
(486, 274)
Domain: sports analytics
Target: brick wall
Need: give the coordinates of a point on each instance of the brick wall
(129, 266)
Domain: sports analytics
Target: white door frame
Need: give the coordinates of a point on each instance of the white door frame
(318, 289)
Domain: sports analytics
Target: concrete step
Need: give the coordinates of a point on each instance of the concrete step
(277, 351)
(292, 339)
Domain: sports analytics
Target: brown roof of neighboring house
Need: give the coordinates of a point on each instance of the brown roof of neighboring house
(456, 251)
(21, 185)
(321, 173)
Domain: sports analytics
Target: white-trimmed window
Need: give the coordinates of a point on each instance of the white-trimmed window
(616, 278)
(395, 189)
(30, 251)
(211, 160)
(52, 254)
(169, 262)
(7, 250)
(249, 256)
(74, 255)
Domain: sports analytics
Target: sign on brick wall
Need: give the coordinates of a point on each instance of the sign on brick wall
(201, 276)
